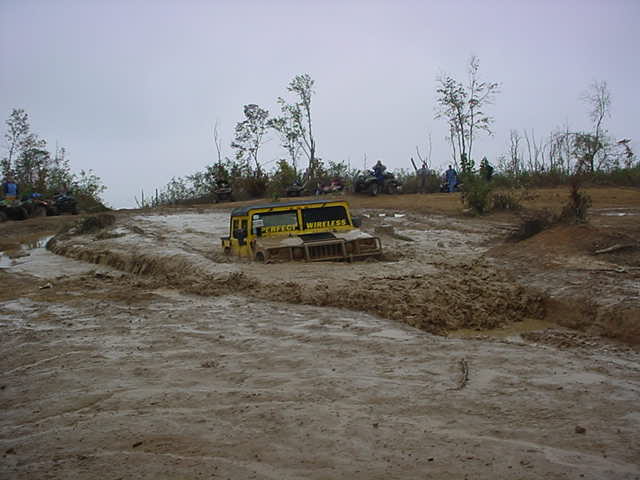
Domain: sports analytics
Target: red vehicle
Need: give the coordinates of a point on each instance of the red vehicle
(334, 186)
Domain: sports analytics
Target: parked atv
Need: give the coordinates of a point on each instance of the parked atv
(223, 193)
(11, 210)
(36, 206)
(367, 182)
(444, 187)
(334, 186)
(65, 203)
(296, 189)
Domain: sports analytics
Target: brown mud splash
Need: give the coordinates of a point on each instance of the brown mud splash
(473, 295)
(469, 296)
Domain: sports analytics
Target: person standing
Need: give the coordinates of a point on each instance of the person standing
(486, 169)
(378, 171)
(451, 177)
(423, 173)
(10, 188)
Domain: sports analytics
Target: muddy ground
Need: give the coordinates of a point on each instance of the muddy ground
(142, 352)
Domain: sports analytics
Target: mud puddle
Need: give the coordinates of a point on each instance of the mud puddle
(5, 260)
(512, 331)
(615, 212)
(34, 259)
(9, 258)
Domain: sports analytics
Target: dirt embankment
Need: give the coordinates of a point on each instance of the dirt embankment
(590, 273)
(471, 296)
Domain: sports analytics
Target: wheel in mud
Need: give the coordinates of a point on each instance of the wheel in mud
(392, 189)
(373, 189)
(227, 250)
(39, 211)
(3, 217)
(260, 257)
(20, 213)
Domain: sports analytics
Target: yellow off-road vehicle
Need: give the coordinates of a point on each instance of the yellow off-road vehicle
(311, 230)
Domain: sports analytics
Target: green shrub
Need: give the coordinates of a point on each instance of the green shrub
(505, 201)
(411, 182)
(575, 210)
(476, 193)
(628, 177)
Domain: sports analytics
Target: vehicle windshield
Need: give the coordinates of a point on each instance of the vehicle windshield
(274, 222)
(324, 217)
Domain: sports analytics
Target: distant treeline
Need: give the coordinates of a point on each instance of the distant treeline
(528, 162)
(36, 169)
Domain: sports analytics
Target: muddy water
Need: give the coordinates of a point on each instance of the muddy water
(615, 212)
(5, 260)
(8, 259)
(512, 331)
(34, 259)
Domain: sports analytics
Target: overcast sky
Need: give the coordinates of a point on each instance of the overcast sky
(133, 88)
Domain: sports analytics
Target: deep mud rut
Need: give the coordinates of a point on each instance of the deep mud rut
(179, 363)
(432, 277)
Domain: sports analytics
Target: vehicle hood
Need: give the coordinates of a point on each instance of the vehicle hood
(296, 241)
(351, 235)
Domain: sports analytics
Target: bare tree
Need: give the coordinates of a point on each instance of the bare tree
(18, 131)
(480, 94)
(514, 152)
(217, 142)
(429, 147)
(598, 99)
(561, 149)
(290, 135)
(452, 100)
(299, 113)
(627, 152)
(463, 108)
(535, 150)
(250, 135)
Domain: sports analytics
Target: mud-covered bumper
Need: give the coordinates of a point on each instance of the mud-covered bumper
(325, 250)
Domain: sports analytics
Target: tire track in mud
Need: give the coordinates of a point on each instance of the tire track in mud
(468, 295)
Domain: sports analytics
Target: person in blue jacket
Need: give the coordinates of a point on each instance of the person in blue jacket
(10, 188)
(378, 171)
(451, 177)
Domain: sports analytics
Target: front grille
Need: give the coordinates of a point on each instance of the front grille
(369, 245)
(325, 251)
